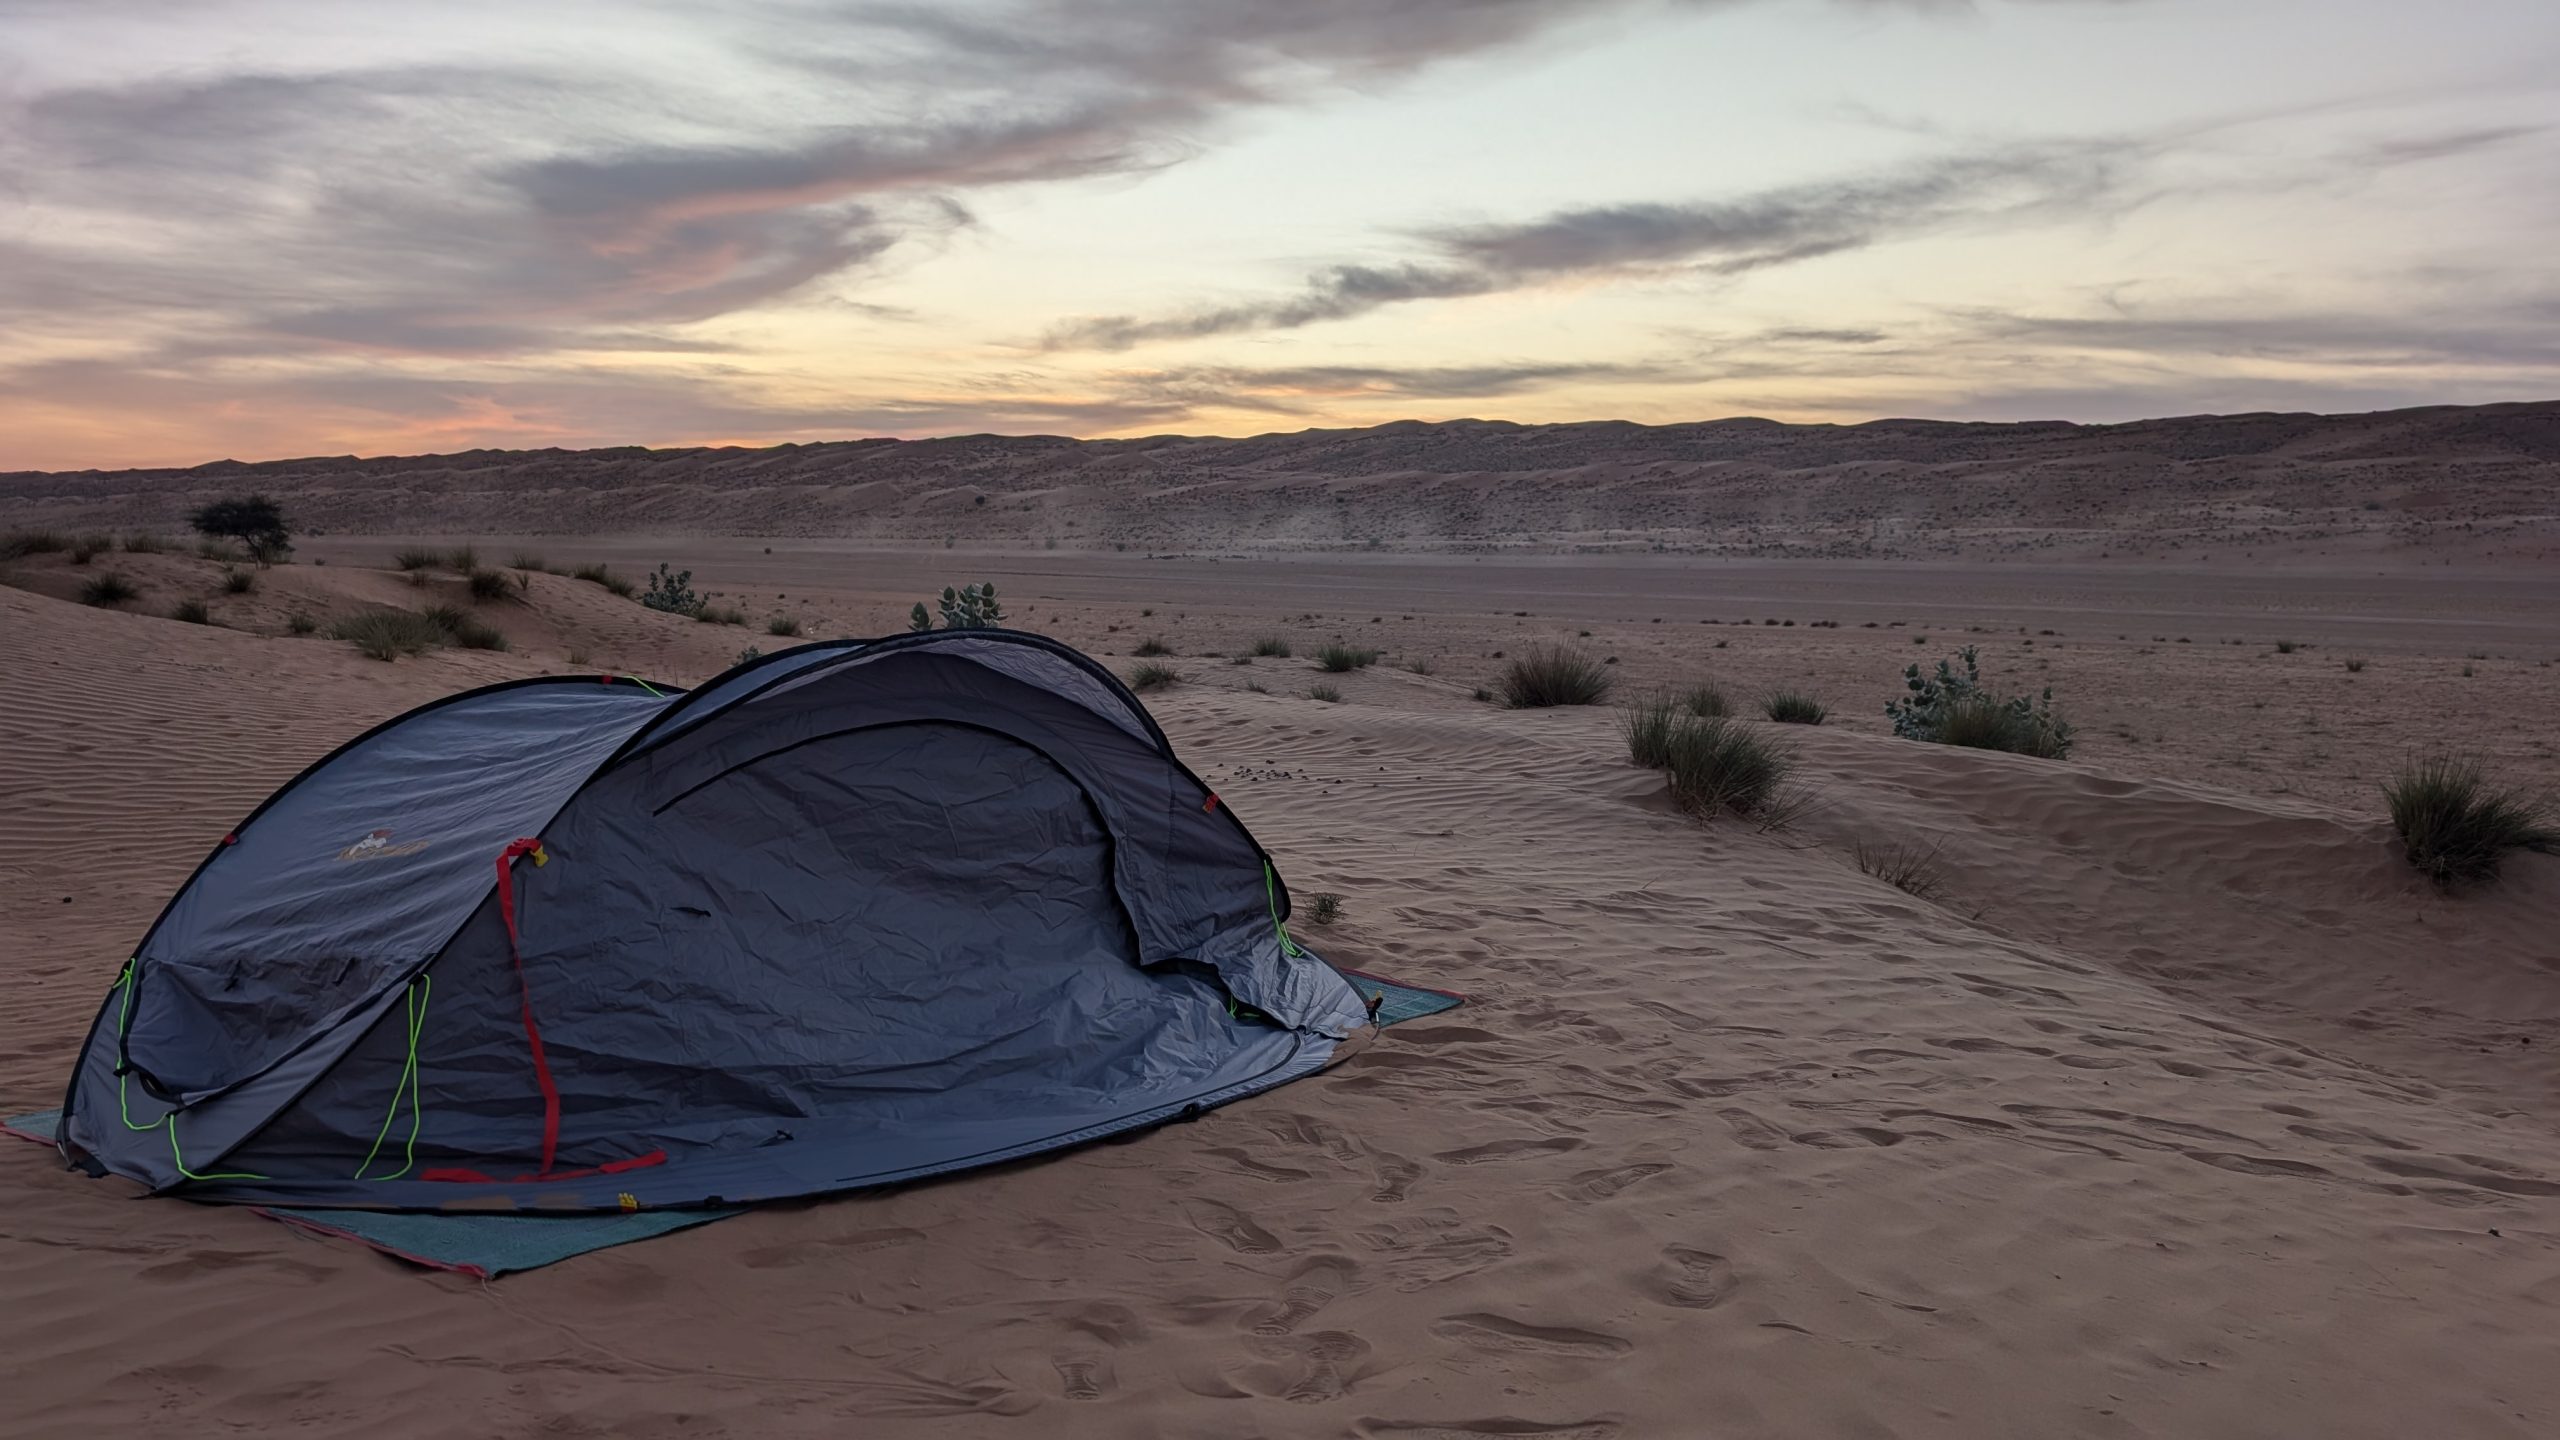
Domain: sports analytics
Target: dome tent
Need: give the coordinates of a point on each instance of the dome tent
(853, 913)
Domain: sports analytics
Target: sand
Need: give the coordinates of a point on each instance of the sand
(2184, 1110)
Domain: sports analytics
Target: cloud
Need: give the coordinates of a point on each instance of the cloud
(1778, 227)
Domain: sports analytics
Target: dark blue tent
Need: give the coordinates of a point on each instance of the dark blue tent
(854, 913)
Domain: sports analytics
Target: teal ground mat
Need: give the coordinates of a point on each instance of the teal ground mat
(487, 1246)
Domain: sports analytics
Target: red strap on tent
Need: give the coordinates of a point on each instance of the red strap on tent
(532, 1033)
(610, 1167)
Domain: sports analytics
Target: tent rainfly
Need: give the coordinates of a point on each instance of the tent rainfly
(854, 913)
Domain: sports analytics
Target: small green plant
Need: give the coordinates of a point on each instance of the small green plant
(1338, 659)
(255, 521)
(1554, 675)
(1325, 693)
(389, 634)
(144, 543)
(193, 612)
(1794, 707)
(1907, 866)
(2455, 826)
(785, 625)
(109, 589)
(1152, 646)
(301, 624)
(1715, 764)
(671, 590)
(1327, 908)
(1153, 677)
(413, 561)
(490, 586)
(90, 547)
(1953, 709)
(239, 582)
(747, 656)
(1271, 647)
(1705, 701)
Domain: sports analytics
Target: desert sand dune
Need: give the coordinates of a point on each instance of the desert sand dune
(2181, 1111)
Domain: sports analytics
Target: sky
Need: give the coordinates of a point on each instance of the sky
(261, 229)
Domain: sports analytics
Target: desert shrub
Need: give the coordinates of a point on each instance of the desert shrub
(1948, 699)
(238, 582)
(1153, 677)
(210, 548)
(747, 656)
(1418, 665)
(108, 589)
(389, 634)
(1907, 866)
(17, 544)
(1152, 646)
(599, 575)
(473, 633)
(416, 560)
(726, 614)
(301, 624)
(2286, 647)
(1793, 707)
(144, 543)
(1327, 908)
(193, 612)
(528, 561)
(462, 559)
(971, 607)
(1271, 646)
(782, 625)
(1257, 687)
(1325, 693)
(1705, 701)
(1648, 728)
(491, 585)
(2456, 826)
(1554, 675)
(671, 591)
(2355, 664)
(255, 521)
(90, 547)
(1717, 764)
(1338, 659)
(1482, 696)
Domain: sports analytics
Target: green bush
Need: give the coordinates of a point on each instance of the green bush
(748, 656)
(1954, 709)
(1338, 658)
(973, 607)
(1554, 675)
(491, 585)
(1714, 763)
(2455, 826)
(1325, 693)
(1153, 677)
(671, 590)
(108, 589)
(1793, 707)
(1272, 647)
(1705, 701)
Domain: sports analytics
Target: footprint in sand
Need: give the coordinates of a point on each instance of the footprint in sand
(1482, 1330)
(1084, 1377)
(1601, 1184)
(1753, 1131)
(1310, 1291)
(1396, 1174)
(1508, 1150)
(1229, 1226)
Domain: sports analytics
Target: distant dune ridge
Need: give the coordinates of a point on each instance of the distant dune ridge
(2474, 481)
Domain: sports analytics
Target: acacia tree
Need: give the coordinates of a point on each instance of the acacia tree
(255, 521)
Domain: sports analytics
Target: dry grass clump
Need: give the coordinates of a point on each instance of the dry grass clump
(1906, 865)
(1153, 645)
(388, 634)
(300, 624)
(90, 547)
(109, 589)
(1554, 675)
(785, 625)
(1338, 658)
(2456, 826)
(215, 548)
(144, 543)
(1705, 701)
(1154, 677)
(462, 559)
(239, 582)
(599, 575)
(490, 586)
(1325, 693)
(415, 561)
(192, 612)
(1328, 908)
(18, 544)
(1271, 646)
(1715, 764)
(526, 561)
(1793, 707)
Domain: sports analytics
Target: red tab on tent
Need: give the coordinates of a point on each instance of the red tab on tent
(532, 1033)
(1211, 803)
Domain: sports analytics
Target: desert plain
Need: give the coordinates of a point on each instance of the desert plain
(2177, 1105)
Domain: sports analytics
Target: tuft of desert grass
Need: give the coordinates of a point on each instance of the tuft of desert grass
(389, 634)
(2456, 826)
(142, 542)
(17, 544)
(1906, 865)
(414, 560)
(1154, 677)
(1153, 645)
(192, 612)
(239, 582)
(1325, 693)
(1338, 658)
(1705, 701)
(300, 624)
(462, 559)
(1719, 764)
(527, 561)
(1554, 675)
(491, 586)
(109, 589)
(1271, 646)
(1327, 908)
(1793, 707)
(1978, 722)
(782, 625)
(90, 547)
